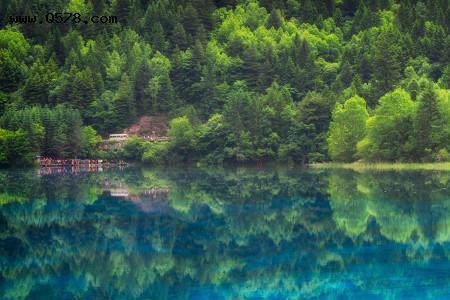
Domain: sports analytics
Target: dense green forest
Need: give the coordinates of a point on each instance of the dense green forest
(300, 81)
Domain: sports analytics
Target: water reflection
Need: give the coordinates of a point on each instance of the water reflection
(224, 234)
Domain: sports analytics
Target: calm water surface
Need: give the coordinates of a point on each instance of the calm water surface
(224, 234)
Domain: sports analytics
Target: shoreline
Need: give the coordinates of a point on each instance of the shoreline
(360, 166)
(76, 162)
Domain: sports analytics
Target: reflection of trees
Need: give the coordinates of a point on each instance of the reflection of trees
(404, 207)
(233, 234)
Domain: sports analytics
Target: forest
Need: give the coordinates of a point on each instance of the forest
(242, 80)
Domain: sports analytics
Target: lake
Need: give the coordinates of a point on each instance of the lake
(224, 233)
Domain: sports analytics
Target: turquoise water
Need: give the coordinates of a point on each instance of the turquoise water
(224, 234)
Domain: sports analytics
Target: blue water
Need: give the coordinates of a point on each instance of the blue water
(240, 233)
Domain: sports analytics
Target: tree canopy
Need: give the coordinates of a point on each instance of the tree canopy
(262, 78)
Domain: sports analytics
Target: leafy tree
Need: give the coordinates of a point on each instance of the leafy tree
(134, 148)
(160, 94)
(183, 138)
(13, 41)
(11, 72)
(15, 149)
(347, 128)
(155, 153)
(89, 141)
(213, 139)
(390, 129)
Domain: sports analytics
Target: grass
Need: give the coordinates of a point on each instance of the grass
(362, 166)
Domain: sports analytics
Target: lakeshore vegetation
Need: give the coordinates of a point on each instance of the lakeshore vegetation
(242, 81)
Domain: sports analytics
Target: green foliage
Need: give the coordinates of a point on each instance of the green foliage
(258, 74)
(15, 148)
(390, 129)
(428, 124)
(347, 128)
(212, 139)
(183, 138)
(90, 140)
(156, 153)
(403, 130)
(11, 71)
(125, 107)
(134, 148)
(298, 144)
(54, 132)
(41, 80)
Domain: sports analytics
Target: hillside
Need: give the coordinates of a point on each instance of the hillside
(155, 125)
(247, 80)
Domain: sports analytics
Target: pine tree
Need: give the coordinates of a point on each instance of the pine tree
(275, 19)
(56, 46)
(205, 10)
(183, 74)
(166, 95)
(143, 76)
(427, 123)
(77, 88)
(39, 82)
(251, 68)
(123, 10)
(179, 37)
(73, 134)
(124, 102)
(302, 53)
(191, 20)
(198, 55)
(157, 39)
(387, 60)
(303, 69)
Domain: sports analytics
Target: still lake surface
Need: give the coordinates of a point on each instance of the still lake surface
(238, 233)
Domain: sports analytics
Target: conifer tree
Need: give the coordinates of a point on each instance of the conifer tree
(158, 41)
(143, 76)
(179, 37)
(427, 123)
(122, 10)
(388, 61)
(124, 102)
(40, 81)
(275, 19)
(191, 21)
(73, 134)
